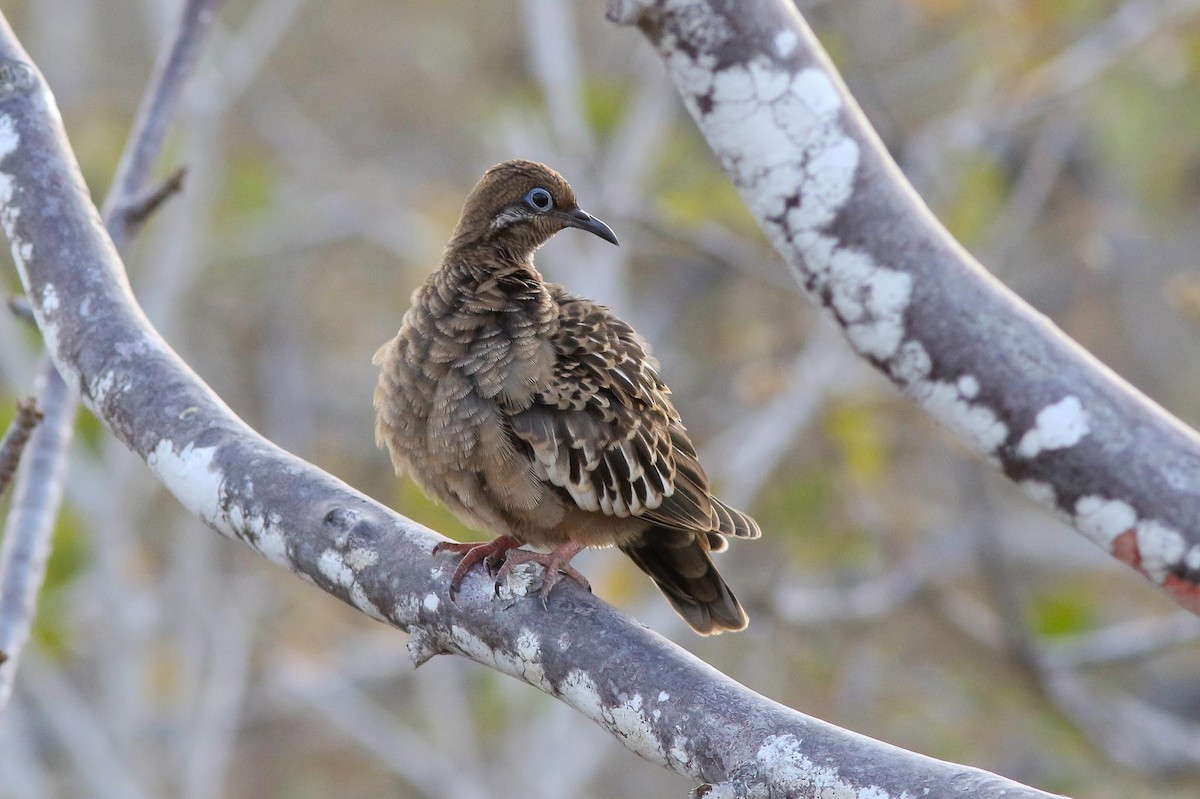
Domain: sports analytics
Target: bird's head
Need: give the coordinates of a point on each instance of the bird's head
(518, 205)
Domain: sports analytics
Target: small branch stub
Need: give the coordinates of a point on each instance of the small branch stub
(15, 439)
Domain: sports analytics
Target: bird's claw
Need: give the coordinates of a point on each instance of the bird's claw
(473, 552)
(504, 554)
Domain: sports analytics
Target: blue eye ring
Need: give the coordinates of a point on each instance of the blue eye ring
(540, 200)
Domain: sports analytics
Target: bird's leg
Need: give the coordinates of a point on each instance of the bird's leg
(556, 563)
(473, 552)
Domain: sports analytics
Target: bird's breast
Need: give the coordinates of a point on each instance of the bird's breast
(448, 381)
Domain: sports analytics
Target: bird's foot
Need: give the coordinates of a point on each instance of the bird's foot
(473, 552)
(556, 563)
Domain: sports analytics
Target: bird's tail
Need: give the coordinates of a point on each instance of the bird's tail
(679, 563)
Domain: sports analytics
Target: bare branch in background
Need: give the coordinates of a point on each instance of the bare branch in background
(40, 490)
(140, 208)
(25, 548)
(20, 308)
(15, 438)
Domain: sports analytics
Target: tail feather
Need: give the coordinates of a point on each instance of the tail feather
(730, 521)
(679, 563)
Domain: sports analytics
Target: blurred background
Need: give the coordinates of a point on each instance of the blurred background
(901, 589)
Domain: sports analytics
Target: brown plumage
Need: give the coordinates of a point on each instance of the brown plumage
(538, 415)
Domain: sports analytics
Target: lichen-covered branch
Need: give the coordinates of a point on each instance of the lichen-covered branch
(40, 490)
(656, 699)
(912, 301)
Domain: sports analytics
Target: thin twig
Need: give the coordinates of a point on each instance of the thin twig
(21, 308)
(157, 110)
(142, 206)
(15, 439)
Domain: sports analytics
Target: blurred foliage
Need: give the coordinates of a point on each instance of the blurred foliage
(1069, 610)
(68, 559)
(982, 192)
(859, 432)
(693, 190)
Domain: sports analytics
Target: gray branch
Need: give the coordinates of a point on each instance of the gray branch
(39, 490)
(656, 699)
(25, 549)
(912, 301)
(15, 439)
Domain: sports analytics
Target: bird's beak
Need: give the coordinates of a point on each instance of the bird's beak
(584, 221)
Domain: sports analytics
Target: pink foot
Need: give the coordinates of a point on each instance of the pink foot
(556, 563)
(473, 552)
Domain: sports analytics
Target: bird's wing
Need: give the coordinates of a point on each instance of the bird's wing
(605, 431)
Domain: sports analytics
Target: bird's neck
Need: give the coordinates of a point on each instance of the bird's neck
(473, 282)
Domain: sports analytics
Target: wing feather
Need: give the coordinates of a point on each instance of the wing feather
(605, 431)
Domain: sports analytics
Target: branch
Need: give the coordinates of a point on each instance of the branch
(124, 207)
(655, 698)
(39, 491)
(913, 302)
(15, 439)
(25, 549)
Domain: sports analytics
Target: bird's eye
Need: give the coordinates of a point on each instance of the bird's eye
(539, 199)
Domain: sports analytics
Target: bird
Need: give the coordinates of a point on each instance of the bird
(539, 416)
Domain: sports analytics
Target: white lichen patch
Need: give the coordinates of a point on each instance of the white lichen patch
(778, 133)
(361, 558)
(663, 696)
(1161, 548)
(529, 651)
(9, 138)
(791, 773)
(101, 387)
(524, 663)
(523, 580)
(1192, 558)
(968, 386)
(628, 720)
(193, 478)
(873, 792)
(273, 544)
(360, 600)
(785, 43)
(1040, 492)
(679, 753)
(974, 422)
(1057, 426)
(578, 691)
(49, 298)
(333, 567)
(407, 612)
(1102, 519)
(431, 602)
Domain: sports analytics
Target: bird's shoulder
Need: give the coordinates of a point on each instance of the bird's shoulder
(602, 362)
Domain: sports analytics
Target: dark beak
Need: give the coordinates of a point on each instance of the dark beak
(584, 221)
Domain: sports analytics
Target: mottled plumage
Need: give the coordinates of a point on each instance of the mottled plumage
(540, 416)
